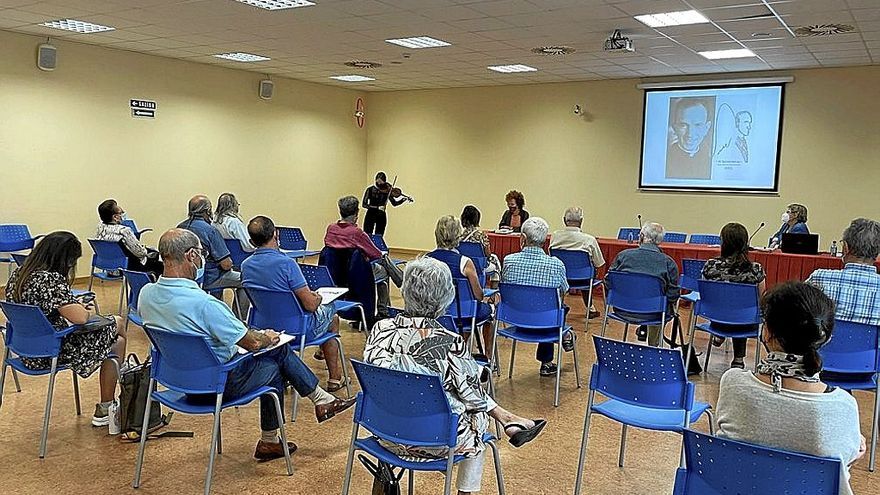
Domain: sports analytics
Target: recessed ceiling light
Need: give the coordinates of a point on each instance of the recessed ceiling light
(77, 26)
(553, 50)
(735, 53)
(507, 69)
(672, 18)
(242, 57)
(277, 4)
(418, 42)
(353, 78)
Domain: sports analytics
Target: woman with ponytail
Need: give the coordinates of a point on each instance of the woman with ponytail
(785, 405)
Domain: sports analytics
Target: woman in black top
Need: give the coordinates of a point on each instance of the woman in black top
(515, 216)
(376, 197)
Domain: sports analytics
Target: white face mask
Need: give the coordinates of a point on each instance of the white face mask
(200, 270)
(786, 217)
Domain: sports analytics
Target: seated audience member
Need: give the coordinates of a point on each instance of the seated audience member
(270, 269)
(345, 234)
(399, 344)
(446, 234)
(229, 223)
(515, 216)
(785, 405)
(650, 260)
(856, 288)
(218, 273)
(44, 281)
(177, 304)
(794, 221)
(140, 257)
(734, 266)
(532, 266)
(470, 222)
(572, 238)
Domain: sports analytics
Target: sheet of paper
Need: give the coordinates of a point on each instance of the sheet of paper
(283, 339)
(330, 294)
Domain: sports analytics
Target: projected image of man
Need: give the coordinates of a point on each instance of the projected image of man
(689, 152)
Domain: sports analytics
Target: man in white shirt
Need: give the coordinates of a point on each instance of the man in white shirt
(572, 238)
(140, 257)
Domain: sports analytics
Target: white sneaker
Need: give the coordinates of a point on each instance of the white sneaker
(101, 416)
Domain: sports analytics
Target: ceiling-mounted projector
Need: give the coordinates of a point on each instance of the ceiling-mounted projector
(617, 42)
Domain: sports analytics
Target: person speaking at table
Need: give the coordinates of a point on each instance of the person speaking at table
(515, 215)
(794, 221)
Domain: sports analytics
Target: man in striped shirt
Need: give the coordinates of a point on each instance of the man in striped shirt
(856, 288)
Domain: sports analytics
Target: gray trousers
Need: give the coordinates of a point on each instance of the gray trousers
(383, 295)
(232, 280)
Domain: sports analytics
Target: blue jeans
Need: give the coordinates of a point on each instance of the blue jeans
(273, 369)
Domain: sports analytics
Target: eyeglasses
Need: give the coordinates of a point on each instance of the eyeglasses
(199, 250)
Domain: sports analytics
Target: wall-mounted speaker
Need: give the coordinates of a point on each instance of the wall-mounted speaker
(267, 87)
(47, 57)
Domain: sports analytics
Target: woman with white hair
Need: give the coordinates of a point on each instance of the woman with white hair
(415, 342)
(229, 223)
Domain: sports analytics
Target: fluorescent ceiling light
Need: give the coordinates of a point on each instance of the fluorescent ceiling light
(507, 69)
(735, 53)
(77, 26)
(277, 4)
(672, 18)
(242, 57)
(418, 42)
(353, 78)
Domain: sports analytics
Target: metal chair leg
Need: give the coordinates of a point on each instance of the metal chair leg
(622, 454)
(687, 359)
(708, 353)
(342, 362)
(604, 322)
(146, 425)
(219, 435)
(346, 483)
(512, 354)
(45, 434)
(280, 415)
(625, 330)
(873, 455)
(585, 437)
(3, 374)
(76, 393)
(447, 487)
(577, 366)
(499, 475)
(758, 355)
(711, 417)
(14, 380)
(214, 433)
(560, 351)
(410, 482)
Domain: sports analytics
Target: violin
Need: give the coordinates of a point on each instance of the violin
(394, 192)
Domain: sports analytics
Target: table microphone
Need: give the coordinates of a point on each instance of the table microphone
(753, 234)
(639, 216)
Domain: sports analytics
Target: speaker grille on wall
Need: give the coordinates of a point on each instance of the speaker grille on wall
(266, 89)
(47, 57)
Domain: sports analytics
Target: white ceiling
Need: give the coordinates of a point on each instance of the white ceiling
(312, 43)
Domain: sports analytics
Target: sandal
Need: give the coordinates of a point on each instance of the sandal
(738, 363)
(717, 341)
(525, 435)
(336, 385)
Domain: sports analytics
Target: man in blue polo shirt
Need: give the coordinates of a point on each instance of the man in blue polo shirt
(177, 304)
(270, 269)
(218, 267)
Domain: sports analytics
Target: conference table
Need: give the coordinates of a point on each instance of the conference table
(778, 266)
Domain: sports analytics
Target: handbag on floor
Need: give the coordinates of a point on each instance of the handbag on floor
(694, 367)
(385, 481)
(134, 383)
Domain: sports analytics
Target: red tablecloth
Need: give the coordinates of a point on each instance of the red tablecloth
(779, 266)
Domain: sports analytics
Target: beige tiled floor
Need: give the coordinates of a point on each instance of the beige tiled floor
(85, 460)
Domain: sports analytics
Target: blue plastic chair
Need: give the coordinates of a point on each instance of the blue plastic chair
(349, 268)
(628, 233)
(634, 293)
(109, 257)
(30, 335)
(135, 281)
(579, 271)
(14, 237)
(678, 237)
(727, 303)
(379, 241)
(705, 239)
(474, 251)
(851, 361)
(718, 466)
(646, 387)
(281, 311)
(293, 243)
(236, 253)
(318, 276)
(128, 222)
(186, 365)
(407, 409)
(534, 315)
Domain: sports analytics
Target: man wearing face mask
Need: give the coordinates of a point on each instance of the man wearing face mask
(794, 221)
(177, 304)
(140, 257)
(218, 272)
(689, 152)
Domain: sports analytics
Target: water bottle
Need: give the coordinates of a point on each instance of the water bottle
(834, 248)
(114, 428)
(629, 238)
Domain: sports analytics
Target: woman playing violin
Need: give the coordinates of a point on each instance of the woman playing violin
(376, 198)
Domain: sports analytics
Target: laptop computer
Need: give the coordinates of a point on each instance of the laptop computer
(800, 243)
